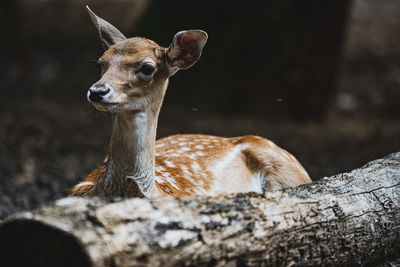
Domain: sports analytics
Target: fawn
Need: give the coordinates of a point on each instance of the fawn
(135, 74)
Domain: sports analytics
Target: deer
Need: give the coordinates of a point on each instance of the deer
(134, 78)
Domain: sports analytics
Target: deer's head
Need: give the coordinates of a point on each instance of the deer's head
(135, 71)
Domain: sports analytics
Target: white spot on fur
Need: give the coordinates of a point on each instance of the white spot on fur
(196, 167)
(169, 164)
(186, 171)
(159, 179)
(164, 174)
(190, 179)
(160, 168)
(199, 153)
(84, 183)
(171, 181)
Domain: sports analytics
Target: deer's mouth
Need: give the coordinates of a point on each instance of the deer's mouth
(104, 106)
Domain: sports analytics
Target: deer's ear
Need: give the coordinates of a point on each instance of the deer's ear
(186, 49)
(109, 35)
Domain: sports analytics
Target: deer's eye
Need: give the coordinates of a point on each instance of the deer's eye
(146, 69)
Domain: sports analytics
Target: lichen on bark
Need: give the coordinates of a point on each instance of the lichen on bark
(347, 219)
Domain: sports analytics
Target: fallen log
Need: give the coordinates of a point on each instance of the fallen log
(347, 219)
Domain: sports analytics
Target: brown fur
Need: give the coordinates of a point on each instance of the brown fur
(168, 161)
(93, 177)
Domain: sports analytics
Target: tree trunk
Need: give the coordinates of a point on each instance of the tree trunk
(350, 218)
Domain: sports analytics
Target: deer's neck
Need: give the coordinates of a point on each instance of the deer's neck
(130, 163)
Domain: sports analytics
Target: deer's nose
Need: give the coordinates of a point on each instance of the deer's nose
(97, 94)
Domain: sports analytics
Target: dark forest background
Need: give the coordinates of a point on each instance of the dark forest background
(319, 78)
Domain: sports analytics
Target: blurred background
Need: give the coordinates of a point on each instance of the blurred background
(319, 78)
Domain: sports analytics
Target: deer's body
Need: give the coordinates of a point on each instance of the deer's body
(210, 165)
(135, 74)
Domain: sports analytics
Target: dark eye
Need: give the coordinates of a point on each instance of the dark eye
(146, 69)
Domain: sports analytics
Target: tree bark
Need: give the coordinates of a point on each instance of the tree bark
(348, 219)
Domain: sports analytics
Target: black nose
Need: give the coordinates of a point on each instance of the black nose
(97, 94)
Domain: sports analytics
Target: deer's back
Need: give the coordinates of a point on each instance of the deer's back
(210, 165)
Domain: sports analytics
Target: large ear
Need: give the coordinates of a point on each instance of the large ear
(109, 35)
(185, 49)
